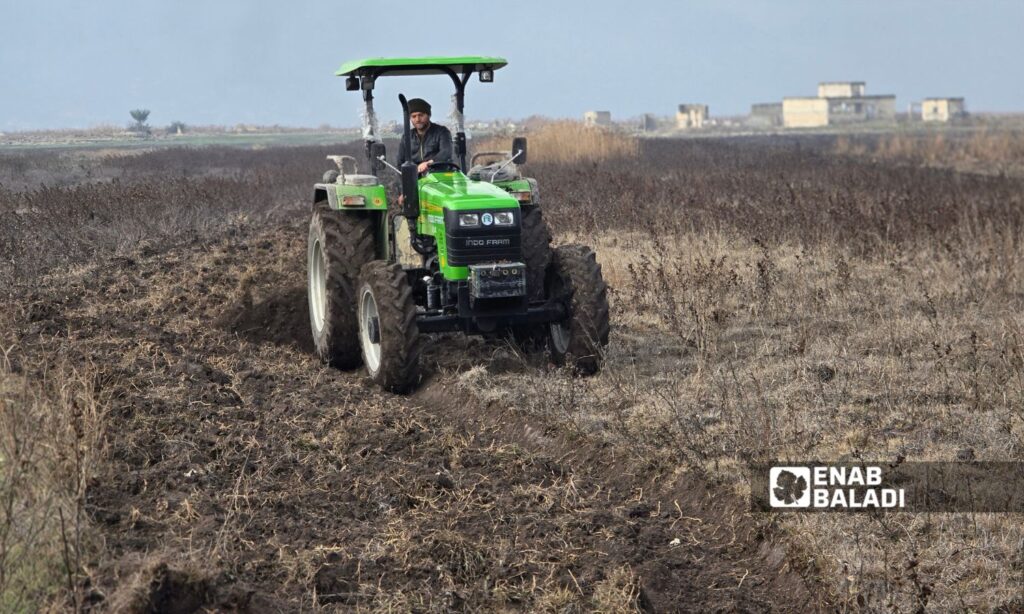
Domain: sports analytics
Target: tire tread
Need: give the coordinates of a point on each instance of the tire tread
(401, 343)
(348, 242)
(589, 320)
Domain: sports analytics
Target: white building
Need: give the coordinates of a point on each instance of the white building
(837, 102)
(942, 109)
(691, 116)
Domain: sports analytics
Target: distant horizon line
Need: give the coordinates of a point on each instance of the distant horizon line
(332, 127)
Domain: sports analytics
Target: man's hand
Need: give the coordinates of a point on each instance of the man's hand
(423, 166)
(401, 199)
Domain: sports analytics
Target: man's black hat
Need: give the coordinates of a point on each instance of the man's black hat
(418, 105)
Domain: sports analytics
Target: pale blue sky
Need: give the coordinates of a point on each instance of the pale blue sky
(77, 64)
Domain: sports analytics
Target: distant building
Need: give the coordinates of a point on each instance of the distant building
(838, 102)
(765, 114)
(691, 116)
(841, 89)
(804, 112)
(861, 109)
(942, 109)
(597, 118)
(648, 123)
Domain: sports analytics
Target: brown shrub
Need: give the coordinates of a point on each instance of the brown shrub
(986, 150)
(568, 142)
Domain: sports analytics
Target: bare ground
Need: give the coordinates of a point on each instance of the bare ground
(240, 474)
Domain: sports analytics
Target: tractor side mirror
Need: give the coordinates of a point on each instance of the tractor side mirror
(519, 147)
(411, 190)
(377, 151)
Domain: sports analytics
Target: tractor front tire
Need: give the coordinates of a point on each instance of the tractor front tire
(339, 244)
(536, 242)
(388, 332)
(575, 279)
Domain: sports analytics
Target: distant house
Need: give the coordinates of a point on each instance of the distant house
(691, 116)
(765, 114)
(837, 102)
(942, 109)
(804, 112)
(597, 118)
(648, 123)
(841, 89)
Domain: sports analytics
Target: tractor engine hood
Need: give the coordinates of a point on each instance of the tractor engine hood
(455, 192)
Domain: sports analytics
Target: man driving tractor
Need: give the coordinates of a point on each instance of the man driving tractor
(431, 143)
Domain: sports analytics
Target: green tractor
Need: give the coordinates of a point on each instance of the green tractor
(467, 250)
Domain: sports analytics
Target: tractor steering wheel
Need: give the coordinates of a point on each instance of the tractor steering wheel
(443, 167)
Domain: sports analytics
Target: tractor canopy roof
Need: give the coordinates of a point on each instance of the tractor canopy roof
(419, 66)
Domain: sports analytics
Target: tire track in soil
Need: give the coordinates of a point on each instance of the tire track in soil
(243, 475)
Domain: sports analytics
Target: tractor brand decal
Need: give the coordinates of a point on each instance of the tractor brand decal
(377, 200)
(432, 208)
(488, 242)
(435, 219)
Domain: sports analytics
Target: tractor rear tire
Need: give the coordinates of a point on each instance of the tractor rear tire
(339, 244)
(536, 242)
(388, 332)
(575, 278)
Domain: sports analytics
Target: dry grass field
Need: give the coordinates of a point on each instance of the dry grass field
(989, 150)
(168, 443)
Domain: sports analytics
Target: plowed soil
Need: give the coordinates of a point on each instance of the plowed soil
(241, 474)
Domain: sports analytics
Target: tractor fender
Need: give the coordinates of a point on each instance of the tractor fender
(322, 192)
(534, 191)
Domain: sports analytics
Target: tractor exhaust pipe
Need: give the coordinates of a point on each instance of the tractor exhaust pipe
(410, 176)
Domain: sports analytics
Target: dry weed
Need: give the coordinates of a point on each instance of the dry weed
(50, 442)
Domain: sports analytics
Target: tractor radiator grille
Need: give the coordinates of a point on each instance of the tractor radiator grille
(482, 244)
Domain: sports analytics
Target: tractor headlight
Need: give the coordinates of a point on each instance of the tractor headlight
(504, 218)
(523, 196)
(469, 219)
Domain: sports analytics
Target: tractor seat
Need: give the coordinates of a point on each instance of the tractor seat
(358, 180)
(483, 172)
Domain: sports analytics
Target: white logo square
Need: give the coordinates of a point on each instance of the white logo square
(789, 487)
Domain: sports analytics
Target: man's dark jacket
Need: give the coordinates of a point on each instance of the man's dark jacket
(436, 145)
